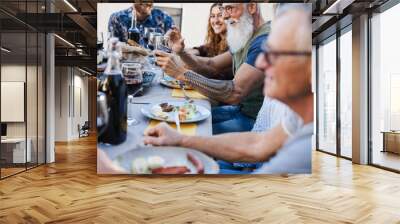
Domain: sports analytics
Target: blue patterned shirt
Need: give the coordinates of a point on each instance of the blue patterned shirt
(121, 21)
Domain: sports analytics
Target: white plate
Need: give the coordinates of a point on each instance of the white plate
(166, 81)
(173, 156)
(202, 113)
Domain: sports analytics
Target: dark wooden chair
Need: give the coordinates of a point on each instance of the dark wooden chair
(84, 130)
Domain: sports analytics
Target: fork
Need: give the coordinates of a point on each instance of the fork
(177, 121)
(187, 98)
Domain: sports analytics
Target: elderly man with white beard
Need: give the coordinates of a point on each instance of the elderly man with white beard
(243, 96)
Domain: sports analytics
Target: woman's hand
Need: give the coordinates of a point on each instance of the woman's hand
(171, 64)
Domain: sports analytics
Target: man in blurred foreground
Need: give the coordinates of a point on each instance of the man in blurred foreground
(286, 62)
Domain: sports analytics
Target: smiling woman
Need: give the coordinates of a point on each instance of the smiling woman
(216, 34)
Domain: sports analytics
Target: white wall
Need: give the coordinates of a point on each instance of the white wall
(194, 18)
(16, 73)
(69, 82)
(61, 104)
(81, 84)
(33, 126)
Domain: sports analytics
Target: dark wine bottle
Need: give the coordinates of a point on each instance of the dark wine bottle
(114, 87)
(134, 32)
(99, 45)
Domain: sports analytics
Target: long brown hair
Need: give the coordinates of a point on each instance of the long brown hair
(215, 43)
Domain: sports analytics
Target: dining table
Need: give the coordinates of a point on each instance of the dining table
(155, 93)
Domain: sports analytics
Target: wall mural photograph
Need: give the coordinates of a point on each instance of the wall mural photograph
(217, 95)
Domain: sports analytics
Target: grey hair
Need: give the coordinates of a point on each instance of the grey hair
(282, 8)
(303, 34)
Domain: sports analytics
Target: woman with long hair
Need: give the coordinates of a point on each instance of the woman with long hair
(215, 42)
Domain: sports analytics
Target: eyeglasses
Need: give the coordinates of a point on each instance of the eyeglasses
(228, 8)
(271, 55)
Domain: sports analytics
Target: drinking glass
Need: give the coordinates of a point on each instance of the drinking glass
(152, 40)
(158, 42)
(146, 36)
(133, 75)
(131, 120)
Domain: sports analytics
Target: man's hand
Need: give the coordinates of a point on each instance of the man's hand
(162, 135)
(171, 65)
(175, 40)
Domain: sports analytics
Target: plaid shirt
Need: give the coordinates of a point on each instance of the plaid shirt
(120, 22)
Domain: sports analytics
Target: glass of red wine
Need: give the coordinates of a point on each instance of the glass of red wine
(133, 75)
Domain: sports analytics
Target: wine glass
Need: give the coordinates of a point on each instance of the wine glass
(133, 75)
(130, 119)
(146, 36)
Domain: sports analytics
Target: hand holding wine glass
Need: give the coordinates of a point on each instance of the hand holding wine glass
(175, 40)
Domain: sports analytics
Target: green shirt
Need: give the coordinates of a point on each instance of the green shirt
(252, 103)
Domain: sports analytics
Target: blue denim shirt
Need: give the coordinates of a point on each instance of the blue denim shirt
(120, 22)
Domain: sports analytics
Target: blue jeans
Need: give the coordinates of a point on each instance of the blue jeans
(227, 168)
(230, 119)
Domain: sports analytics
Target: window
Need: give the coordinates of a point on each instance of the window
(327, 96)
(22, 76)
(346, 93)
(385, 89)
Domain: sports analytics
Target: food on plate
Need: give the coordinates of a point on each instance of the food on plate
(167, 107)
(187, 111)
(145, 166)
(155, 165)
(158, 112)
(197, 163)
(171, 170)
(175, 84)
(155, 162)
(140, 166)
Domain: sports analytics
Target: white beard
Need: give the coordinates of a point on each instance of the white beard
(239, 33)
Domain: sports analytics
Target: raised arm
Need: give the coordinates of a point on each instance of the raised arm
(243, 147)
(209, 67)
(227, 91)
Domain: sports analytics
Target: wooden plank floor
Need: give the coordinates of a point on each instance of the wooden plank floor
(70, 191)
